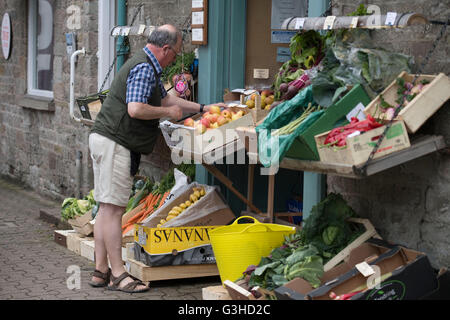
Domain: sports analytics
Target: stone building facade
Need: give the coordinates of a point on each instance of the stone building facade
(410, 203)
(40, 143)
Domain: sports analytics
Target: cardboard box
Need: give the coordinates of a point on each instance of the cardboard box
(184, 239)
(173, 246)
(82, 224)
(304, 146)
(359, 147)
(189, 140)
(419, 109)
(404, 273)
(443, 290)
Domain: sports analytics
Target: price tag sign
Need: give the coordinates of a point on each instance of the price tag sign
(365, 269)
(141, 29)
(390, 18)
(299, 23)
(354, 23)
(116, 31)
(125, 31)
(329, 22)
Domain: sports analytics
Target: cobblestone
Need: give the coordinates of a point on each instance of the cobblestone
(34, 267)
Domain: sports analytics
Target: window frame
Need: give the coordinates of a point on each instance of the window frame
(32, 48)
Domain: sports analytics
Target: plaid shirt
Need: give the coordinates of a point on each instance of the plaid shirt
(141, 80)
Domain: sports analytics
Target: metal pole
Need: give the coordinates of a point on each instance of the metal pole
(121, 21)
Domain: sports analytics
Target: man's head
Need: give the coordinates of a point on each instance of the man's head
(165, 43)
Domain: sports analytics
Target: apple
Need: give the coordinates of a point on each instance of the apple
(213, 117)
(206, 114)
(266, 92)
(214, 125)
(221, 120)
(214, 109)
(205, 122)
(226, 114)
(189, 122)
(237, 115)
(201, 128)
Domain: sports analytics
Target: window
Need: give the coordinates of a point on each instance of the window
(40, 48)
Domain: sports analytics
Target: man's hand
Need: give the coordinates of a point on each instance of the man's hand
(174, 112)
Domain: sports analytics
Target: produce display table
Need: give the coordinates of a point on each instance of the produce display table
(419, 147)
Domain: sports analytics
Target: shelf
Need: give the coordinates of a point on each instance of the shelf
(419, 147)
(402, 20)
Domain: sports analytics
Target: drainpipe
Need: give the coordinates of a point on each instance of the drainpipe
(121, 21)
(79, 157)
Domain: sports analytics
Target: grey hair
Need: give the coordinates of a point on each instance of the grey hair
(161, 37)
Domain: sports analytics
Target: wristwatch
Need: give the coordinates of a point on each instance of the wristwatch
(201, 107)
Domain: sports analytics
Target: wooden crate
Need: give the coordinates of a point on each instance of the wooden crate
(422, 107)
(82, 224)
(215, 293)
(191, 142)
(343, 254)
(147, 274)
(258, 113)
(359, 147)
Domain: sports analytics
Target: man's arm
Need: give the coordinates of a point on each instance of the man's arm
(186, 105)
(142, 111)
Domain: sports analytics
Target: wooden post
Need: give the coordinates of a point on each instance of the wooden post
(227, 182)
(251, 175)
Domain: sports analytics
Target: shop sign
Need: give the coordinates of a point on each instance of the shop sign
(6, 35)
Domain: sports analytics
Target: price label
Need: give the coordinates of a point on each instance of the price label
(354, 23)
(365, 269)
(125, 31)
(116, 31)
(299, 23)
(141, 29)
(390, 18)
(329, 22)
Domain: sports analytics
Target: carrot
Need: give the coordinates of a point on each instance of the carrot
(128, 228)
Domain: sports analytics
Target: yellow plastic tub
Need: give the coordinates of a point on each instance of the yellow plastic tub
(242, 244)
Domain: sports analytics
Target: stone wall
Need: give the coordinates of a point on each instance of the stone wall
(39, 148)
(410, 203)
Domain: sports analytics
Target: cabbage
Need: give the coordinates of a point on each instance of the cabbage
(83, 205)
(73, 207)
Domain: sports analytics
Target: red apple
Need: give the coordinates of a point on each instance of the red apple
(213, 117)
(189, 122)
(206, 114)
(222, 120)
(214, 109)
(205, 122)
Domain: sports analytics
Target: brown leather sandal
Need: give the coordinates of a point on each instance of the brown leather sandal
(130, 287)
(105, 276)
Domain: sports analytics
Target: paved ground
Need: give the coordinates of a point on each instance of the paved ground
(33, 266)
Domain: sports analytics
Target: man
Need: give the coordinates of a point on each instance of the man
(125, 128)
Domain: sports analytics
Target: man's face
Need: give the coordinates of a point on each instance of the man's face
(171, 53)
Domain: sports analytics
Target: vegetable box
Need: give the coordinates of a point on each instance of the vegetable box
(189, 140)
(359, 147)
(82, 224)
(304, 146)
(173, 246)
(426, 100)
(184, 239)
(375, 270)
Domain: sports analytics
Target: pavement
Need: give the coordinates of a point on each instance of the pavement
(34, 267)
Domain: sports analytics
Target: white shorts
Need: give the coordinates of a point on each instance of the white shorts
(111, 164)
